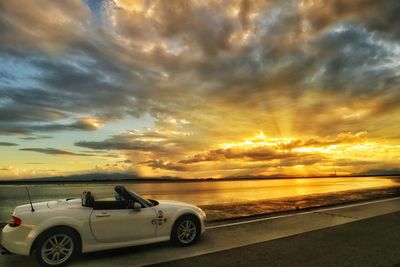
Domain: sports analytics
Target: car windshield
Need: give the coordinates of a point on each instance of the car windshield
(140, 198)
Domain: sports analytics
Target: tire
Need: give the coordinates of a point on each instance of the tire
(186, 230)
(57, 247)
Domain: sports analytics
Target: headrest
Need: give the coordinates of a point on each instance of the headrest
(87, 199)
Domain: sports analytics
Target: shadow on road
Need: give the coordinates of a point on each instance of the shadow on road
(116, 253)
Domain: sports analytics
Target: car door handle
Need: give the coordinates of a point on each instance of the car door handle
(103, 215)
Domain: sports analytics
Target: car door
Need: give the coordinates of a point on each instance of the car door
(119, 225)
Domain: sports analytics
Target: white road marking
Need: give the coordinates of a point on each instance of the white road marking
(301, 213)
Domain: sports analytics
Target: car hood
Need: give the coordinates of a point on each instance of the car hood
(176, 203)
(172, 205)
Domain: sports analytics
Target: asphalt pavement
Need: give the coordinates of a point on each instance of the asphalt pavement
(371, 242)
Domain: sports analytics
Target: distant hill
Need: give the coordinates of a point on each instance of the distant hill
(126, 177)
(90, 177)
(380, 172)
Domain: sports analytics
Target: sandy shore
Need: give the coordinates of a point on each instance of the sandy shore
(244, 209)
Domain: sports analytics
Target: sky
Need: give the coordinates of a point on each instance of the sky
(199, 89)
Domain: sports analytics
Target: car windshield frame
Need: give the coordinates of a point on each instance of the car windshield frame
(143, 201)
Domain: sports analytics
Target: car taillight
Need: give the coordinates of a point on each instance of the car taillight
(14, 221)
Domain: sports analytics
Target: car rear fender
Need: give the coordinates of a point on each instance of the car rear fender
(80, 226)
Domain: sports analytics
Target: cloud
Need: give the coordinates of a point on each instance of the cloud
(142, 141)
(5, 168)
(261, 152)
(160, 164)
(53, 151)
(205, 73)
(8, 144)
(245, 163)
(27, 128)
(261, 148)
(342, 138)
(148, 141)
(34, 27)
(117, 145)
(379, 16)
(254, 154)
(169, 59)
(125, 161)
(35, 137)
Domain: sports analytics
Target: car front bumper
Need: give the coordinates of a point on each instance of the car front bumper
(16, 240)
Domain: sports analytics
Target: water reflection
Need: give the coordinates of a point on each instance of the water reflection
(240, 191)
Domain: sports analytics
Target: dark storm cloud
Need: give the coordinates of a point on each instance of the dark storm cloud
(8, 144)
(53, 151)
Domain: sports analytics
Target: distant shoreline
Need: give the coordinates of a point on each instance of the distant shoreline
(64, 180)
(251, 209)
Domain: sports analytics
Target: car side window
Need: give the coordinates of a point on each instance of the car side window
(110, 205)
(120, 201)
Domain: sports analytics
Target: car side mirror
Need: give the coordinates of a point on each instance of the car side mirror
(137, 207)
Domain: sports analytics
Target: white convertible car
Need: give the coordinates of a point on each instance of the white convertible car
(56, 231)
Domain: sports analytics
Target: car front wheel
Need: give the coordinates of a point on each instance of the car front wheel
(57, 247)
(186, 230)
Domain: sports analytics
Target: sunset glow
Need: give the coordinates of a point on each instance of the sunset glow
(199, 89)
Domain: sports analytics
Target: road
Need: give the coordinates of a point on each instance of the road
(371, 242)
(227, 236)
